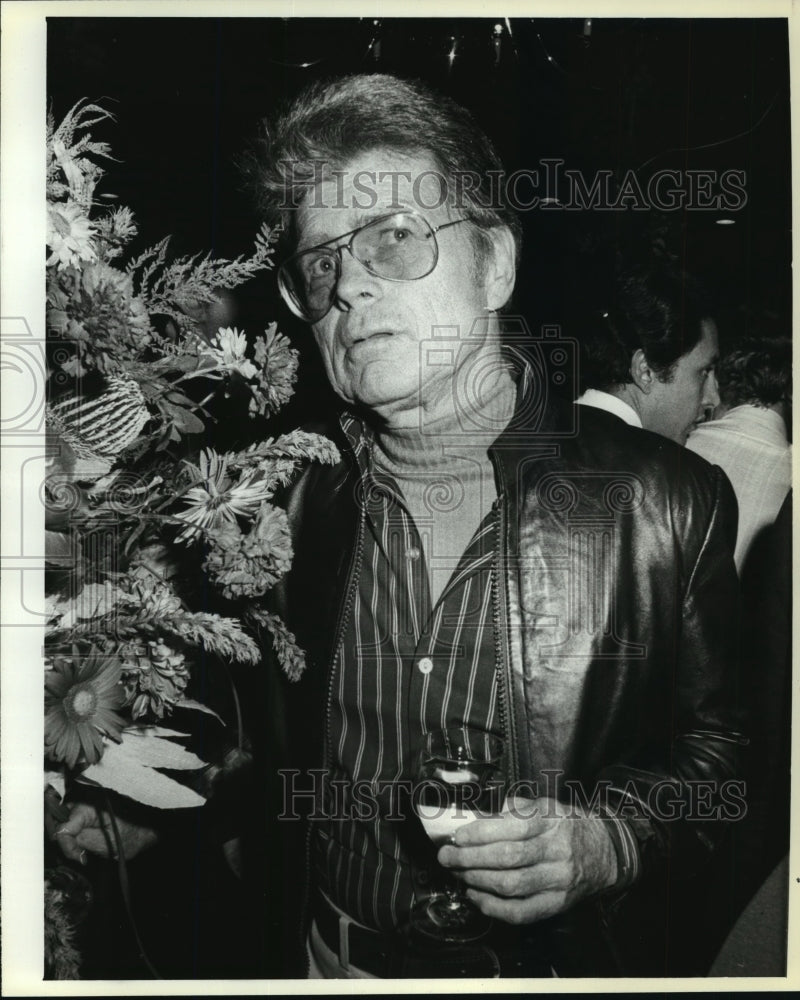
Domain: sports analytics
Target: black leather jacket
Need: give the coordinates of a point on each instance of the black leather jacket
(616, 617)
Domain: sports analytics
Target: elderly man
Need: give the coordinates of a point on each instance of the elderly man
(480, 558)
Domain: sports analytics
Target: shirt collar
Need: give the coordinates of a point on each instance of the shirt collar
(611, 404)
(359, 437)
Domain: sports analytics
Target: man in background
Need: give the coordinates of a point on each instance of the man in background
(748, 435)
(649, 352)
(651, 358)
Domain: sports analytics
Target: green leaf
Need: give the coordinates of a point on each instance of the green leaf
(94, 601)
(129, 768)
(188, 422)
(196, 706)
(153, 751)
(148, 729)
(184, 420)
(178, 397)
(129, 777)
(180, 363)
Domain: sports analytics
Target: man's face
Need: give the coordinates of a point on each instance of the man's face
(674, 408)
(371, 338)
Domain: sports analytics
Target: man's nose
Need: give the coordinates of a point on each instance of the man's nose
(711, 393)
(356, 286)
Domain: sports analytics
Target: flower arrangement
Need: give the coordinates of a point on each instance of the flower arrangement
(140, 504)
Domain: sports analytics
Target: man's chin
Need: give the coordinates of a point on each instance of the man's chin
(382, 391)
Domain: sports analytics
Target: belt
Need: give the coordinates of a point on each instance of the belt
(355, 945)
(398, 955)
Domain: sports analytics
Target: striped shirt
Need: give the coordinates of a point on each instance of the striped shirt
(404, 668)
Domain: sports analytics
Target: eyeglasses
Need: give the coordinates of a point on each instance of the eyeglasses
(397, 247)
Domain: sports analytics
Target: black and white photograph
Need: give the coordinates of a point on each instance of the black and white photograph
(397, 488)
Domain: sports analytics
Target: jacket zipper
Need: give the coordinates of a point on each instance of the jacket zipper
(502, 658)
(353, 574)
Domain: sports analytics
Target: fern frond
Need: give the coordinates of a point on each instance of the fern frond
(74, 157)
(149, 261)
(196, 279)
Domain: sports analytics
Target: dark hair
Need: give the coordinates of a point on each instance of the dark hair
(658, 310)
(756, 371)
(331, 122)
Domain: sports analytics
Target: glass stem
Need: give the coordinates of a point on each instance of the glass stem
(454, 892)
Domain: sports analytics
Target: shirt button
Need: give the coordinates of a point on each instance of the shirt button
(412, 554)
(425, 665)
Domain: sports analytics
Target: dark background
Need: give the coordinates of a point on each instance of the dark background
(610, 95)
(614, 95)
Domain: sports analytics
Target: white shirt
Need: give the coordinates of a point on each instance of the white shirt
(751, 446)
(610, 403)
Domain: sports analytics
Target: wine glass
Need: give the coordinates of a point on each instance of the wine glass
(458, 777)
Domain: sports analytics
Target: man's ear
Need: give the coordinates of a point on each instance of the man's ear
(642, 374)
(501, 268)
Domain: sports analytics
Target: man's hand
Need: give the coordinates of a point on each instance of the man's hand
(538, 858)
(89, 829)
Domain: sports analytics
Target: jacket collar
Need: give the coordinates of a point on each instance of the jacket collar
(540, 422)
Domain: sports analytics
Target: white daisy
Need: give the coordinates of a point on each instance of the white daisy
(228, 349)
(215, 499)
(69, 235)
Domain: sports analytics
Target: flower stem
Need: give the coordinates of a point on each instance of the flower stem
(217, 373)
(122, 872)
(238, 707)
(202, 403)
